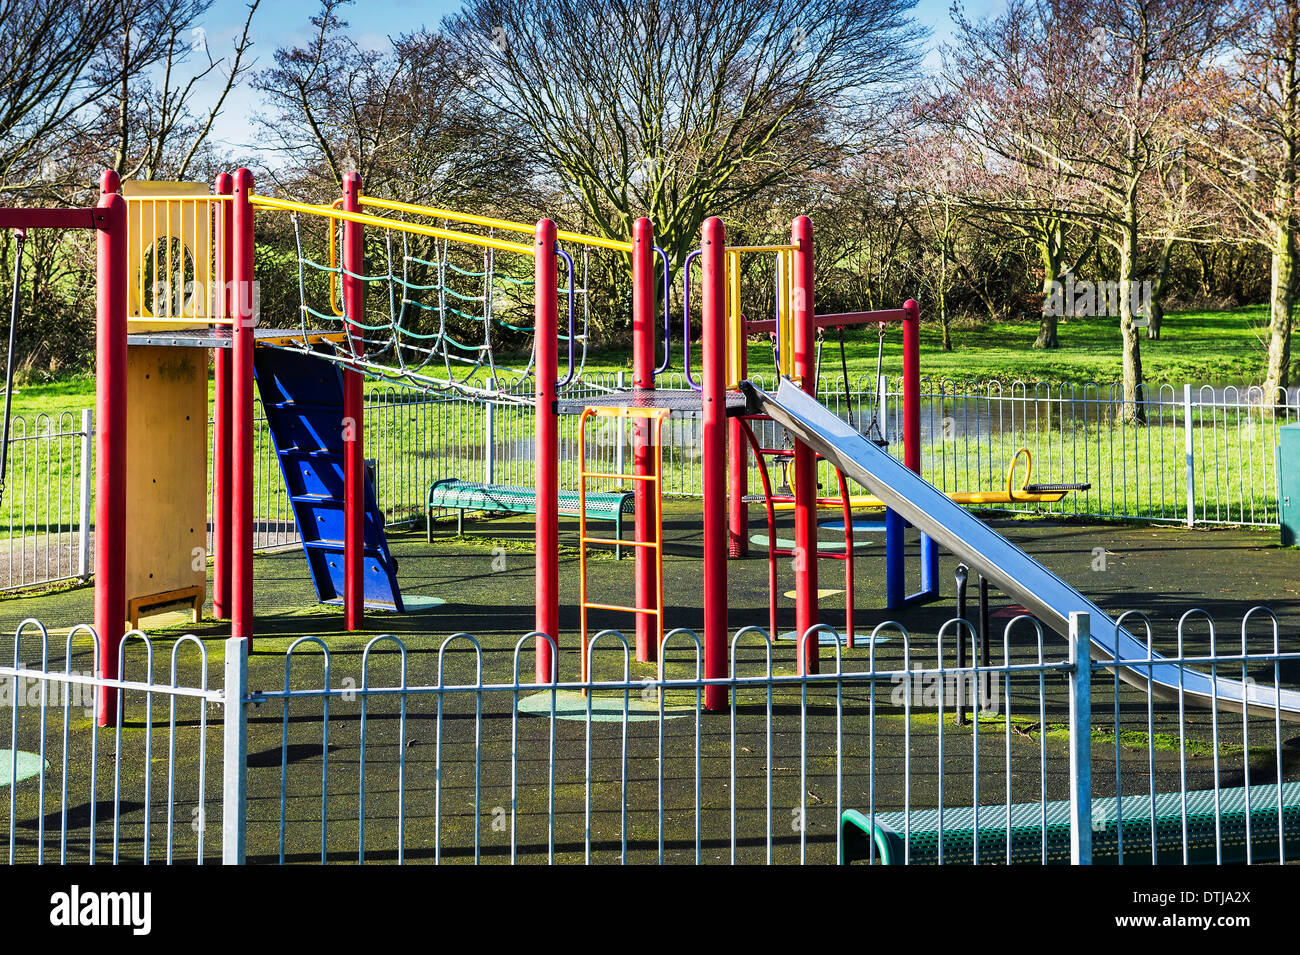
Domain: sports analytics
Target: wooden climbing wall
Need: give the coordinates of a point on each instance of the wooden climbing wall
(167, 475)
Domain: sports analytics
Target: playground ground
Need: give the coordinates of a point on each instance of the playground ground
(486, 584)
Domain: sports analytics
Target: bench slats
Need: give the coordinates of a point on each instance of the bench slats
(1033, 825)
(462, 496)
(522, 500)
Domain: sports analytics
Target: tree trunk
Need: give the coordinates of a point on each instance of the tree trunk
(943, 321)
(1280, 300)
(1155, 317)
(1052, 248)
(943, 297)
(1156, 313)
(1131, 342)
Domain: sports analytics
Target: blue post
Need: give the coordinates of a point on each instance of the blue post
(895, 562)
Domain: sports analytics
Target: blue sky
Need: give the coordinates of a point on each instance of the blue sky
(287, 22)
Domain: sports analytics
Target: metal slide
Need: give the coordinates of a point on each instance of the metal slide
(1006, 566)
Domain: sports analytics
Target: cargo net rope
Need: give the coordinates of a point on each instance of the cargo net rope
(443, 310)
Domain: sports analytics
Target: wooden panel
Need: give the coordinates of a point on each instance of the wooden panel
(166, 469)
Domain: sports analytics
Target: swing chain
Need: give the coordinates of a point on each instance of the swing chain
(873, 427)
(15, 312)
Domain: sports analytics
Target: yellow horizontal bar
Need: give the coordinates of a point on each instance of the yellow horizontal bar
(219, 197)
(645, 610)
(653, 545)
(629, 477)
(762, 248)
(364, 219)
(312, 335)
(957, 497)
(626, 411)
(199, 320)
(491, 223)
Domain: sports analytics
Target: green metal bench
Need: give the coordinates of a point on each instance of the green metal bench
(1029, 835)
(462, 496)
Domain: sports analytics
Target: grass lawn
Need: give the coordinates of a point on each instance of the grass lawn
(1198, 347)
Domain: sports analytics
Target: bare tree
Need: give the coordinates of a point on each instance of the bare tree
(999, 95)
(155, 131)
(683, 108)
(1137, 67)
(400, 117)
(1250, 154)
(49, 79)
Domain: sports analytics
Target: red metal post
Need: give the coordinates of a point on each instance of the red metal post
(354, 461)
(547, 456)
(643, 376)
(714, 347)
(241, 390)
(220, 299)
(110, 436)
(805, 460)
(912, 386)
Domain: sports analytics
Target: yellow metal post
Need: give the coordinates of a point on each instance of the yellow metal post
(657, 416)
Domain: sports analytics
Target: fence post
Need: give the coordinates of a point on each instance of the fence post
(87, 440)
(1187, 454)
(619, 454)
(490, 436)
(1080, 740)
(234, 753)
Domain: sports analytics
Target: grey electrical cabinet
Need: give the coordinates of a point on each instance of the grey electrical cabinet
(1288, 483)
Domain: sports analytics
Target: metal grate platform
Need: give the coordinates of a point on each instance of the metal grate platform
(682, 403)
(223, 336)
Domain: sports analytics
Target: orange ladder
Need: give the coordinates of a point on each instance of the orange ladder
(657, 416)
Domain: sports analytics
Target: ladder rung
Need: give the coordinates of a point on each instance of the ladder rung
(646, 610)
(618, 477)
(614, 540)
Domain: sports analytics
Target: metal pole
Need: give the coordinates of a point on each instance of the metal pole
(962, 575)
(234, 753)
(984, 621)
(83, 542)
(1080, 740)
(620, 455)
(738, 534)
(1188, 455)
(547, 455)
(985, 688)
(643, 376)
(242, 438)
(110, 437)
(354, 465)
(713, 347)
(222, 425)
(912, 386)
(805, 460)
(490, 436)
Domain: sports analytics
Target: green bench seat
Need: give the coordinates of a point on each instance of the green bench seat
(462, 496)
(1027, 830)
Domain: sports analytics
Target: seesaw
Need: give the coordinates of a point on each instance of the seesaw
(1027, 493)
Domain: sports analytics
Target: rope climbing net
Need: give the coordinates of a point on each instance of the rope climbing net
(444, 310)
